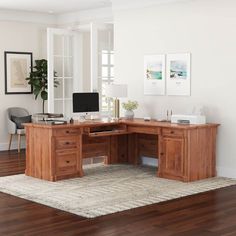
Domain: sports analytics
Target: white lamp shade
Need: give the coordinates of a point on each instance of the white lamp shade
(116, 90)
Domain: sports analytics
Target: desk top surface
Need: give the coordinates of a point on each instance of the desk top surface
(104, 122)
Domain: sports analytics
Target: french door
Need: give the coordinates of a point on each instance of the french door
(63, 67)
(67, 53)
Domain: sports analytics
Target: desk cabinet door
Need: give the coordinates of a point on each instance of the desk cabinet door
(172, 158)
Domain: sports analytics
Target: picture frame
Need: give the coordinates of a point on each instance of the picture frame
(154, 74)
(178, 74)
(18, 66)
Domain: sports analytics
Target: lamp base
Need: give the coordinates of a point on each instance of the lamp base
(116, 108)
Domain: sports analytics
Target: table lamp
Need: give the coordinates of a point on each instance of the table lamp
(116, 91)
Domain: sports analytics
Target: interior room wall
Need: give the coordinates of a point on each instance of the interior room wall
(207, 30)
(20, 37)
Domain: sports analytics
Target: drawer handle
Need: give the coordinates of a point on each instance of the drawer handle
(67, 131)
(172, 132)
(67, 162)
(67, 143)
(162, 153)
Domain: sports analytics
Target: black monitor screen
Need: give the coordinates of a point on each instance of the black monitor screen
(85, 102)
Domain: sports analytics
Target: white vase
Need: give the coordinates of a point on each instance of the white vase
(129, 114)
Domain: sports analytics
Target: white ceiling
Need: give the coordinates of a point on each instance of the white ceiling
(53, 6)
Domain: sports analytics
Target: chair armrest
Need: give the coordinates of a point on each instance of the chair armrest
(11, 126)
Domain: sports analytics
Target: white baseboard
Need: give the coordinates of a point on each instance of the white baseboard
(4, 146)
(226, 172)
(149, 161)
(221, 171)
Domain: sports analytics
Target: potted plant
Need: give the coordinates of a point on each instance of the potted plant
(39, 81)
(129, 107)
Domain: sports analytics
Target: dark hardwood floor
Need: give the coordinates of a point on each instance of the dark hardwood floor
(212, 213)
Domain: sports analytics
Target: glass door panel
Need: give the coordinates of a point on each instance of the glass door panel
(68, 46)
(68, 88)
(58, 66)
(57, 47)
(61, 55)
(58, 106)
(68, 108)
(68, 67)
(58, 91)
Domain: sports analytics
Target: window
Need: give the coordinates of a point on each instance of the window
(107, 77)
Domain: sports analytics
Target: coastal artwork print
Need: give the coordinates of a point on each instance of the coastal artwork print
(154, 74)
(178, 69)
(18, 65)
(178, 74)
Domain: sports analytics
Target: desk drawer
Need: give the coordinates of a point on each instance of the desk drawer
(67, 132)
(66, 143)
(66, 162)
(172, 132)
(144, 129)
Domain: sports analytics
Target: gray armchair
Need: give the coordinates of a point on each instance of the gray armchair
(14, 127)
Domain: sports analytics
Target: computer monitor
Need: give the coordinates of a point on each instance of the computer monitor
(85, 102)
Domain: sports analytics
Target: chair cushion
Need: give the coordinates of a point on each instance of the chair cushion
(20, 131)
(20, 120)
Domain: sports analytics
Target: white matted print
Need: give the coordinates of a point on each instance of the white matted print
(178, 74)
(18, 66)
(154, 74)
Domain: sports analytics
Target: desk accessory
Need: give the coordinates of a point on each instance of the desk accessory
(168, 115)
(188, 119)
(147, 118)
(129, 107)
(53, 122)
(71, 121)
(116, 91)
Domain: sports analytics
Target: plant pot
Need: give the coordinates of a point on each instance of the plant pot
(129, 115)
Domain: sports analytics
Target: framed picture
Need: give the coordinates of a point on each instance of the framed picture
(154, 74)
(178, 74)
(18, 66)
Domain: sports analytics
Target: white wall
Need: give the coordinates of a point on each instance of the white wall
(206, 29)
(20, 37)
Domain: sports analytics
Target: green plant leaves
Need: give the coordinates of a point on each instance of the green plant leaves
(39, 81)
(44, 95)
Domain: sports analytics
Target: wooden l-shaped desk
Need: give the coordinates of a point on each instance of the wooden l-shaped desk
(184, 152)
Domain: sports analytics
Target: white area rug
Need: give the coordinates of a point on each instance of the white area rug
(106, 189)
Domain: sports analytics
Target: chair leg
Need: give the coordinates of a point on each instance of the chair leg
(19, 139)
(10, 140)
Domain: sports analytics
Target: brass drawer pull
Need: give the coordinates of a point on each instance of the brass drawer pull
(67, 162)
(172, 132)
(67, 131)
(67, 143)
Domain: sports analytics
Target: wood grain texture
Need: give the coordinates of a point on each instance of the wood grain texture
(172, 158)
(148, 145)
(185, 152)
(202, 156)
(51, 152)
(12, 162)
(133, 154)
(211, 213)
(188, 155)
(95, 146)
